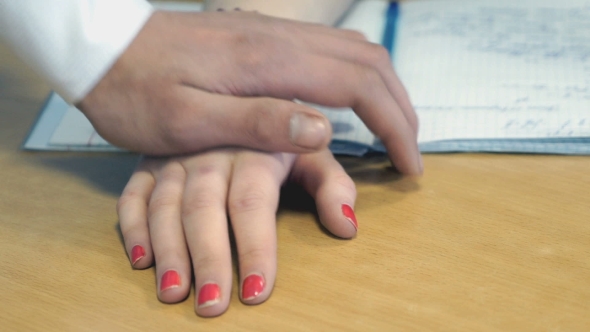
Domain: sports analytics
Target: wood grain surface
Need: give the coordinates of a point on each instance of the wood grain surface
(479, 243)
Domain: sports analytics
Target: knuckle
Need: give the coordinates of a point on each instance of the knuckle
(177, 127)
(354, 34)
(128, 197)
(375, 55)
(345, 182)
(206, 170)
(251, 200)
(251, 255)
(207, 259)
(258, 128)
(207, 167)
(161, 203)
(171, 173)
(200, 201)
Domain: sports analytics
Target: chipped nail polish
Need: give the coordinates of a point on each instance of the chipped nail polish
(210, 294)
(348, 212)
(170, 279)
(252, 286)
(137, 253)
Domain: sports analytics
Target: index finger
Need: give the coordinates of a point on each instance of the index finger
(334, 82)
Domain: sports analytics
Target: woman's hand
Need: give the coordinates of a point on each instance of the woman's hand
(175, 212)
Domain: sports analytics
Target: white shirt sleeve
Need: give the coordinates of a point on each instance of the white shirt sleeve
(71, 43)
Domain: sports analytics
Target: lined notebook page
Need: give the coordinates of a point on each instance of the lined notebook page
(497, 70)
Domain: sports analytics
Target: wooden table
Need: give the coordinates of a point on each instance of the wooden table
(480, 243)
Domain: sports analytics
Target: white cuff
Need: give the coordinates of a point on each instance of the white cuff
(71, 43)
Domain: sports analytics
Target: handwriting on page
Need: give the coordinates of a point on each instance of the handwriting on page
(532, 33)
(498, 70)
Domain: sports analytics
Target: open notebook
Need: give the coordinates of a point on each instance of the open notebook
(495, 76)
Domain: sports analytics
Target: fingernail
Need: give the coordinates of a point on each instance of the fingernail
(170, 279)
(308, 131)
(209, 295)
(348, 212)
(137, 253)
(252, 286)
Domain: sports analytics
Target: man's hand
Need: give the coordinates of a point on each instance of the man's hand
(194, 81)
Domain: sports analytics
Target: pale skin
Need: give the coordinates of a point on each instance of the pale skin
(177, 209)
(195, 81)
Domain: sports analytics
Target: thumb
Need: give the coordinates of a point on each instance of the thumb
(332, 189)
(260, 123)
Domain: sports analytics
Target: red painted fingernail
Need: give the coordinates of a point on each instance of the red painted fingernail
(137, 253)
(252, 286)
(170, 279)
(209, 295)
(348, 212)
